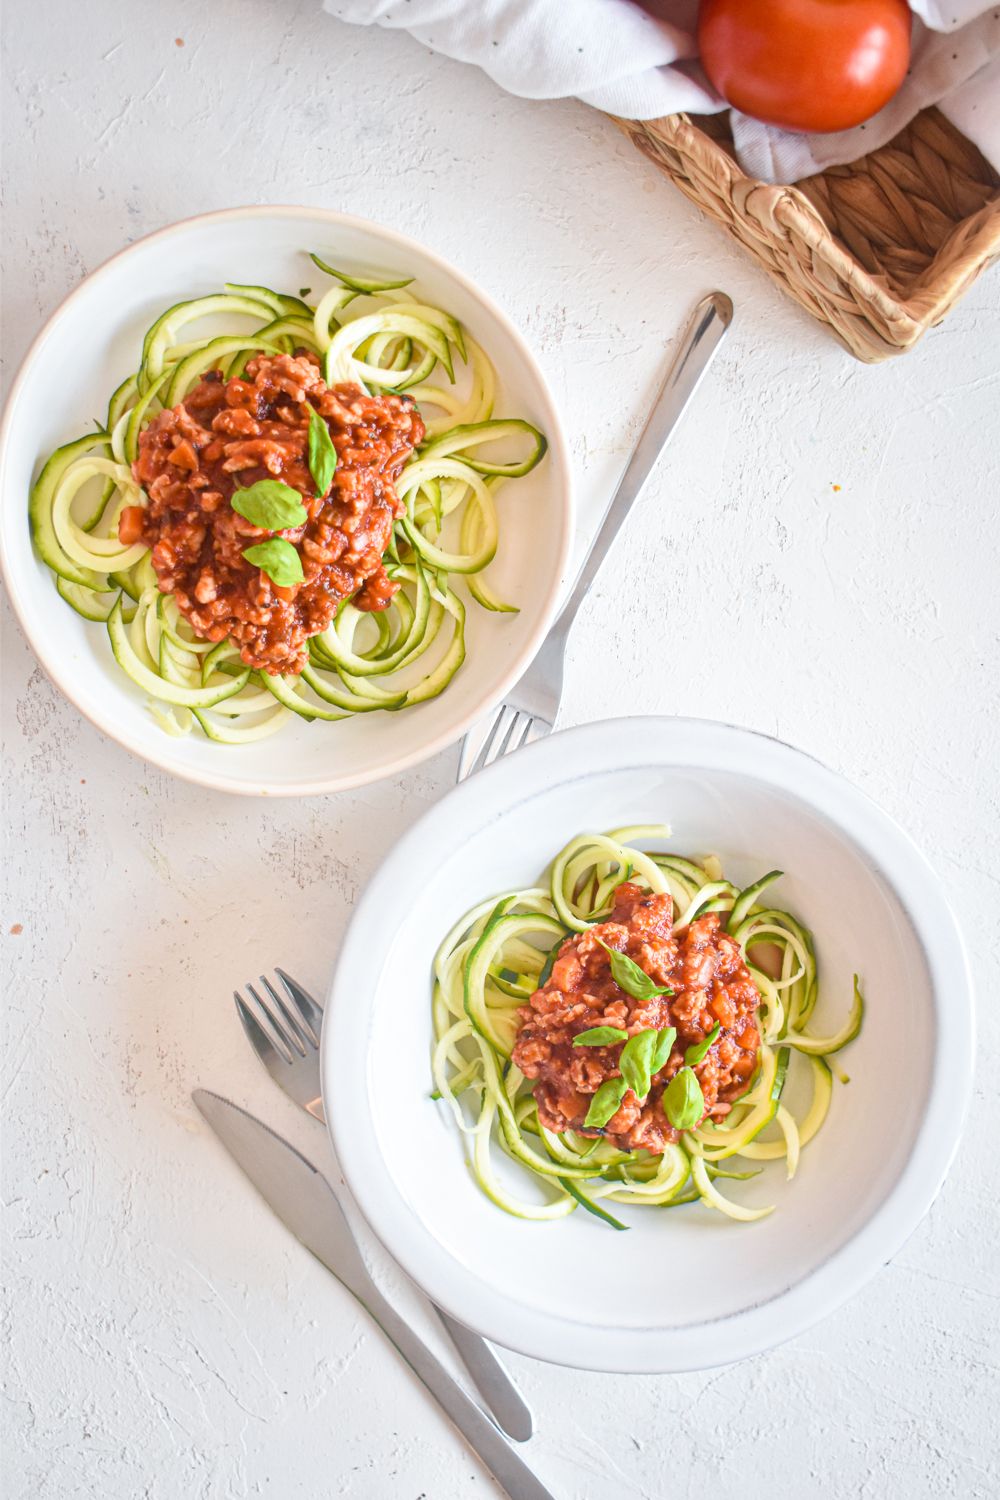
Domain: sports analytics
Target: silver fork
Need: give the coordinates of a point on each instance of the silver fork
(530, 709)
(288, 1046)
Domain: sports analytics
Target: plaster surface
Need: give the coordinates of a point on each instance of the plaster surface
(817, 559)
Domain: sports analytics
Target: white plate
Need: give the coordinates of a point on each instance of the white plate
(684, 1288)
(93, 341)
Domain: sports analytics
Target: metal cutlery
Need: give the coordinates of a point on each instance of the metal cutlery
(530, 709)
(288, 1046)
(306, 1203)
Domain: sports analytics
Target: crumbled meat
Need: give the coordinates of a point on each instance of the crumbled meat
(229, 434)
(711, 985)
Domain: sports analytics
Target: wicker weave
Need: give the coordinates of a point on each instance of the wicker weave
(879, 250)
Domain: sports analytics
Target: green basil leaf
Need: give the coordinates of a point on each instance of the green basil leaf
(630, 978)
(635, 1062)
(605, 1102)
(683, 1100)
(278, 559)
(600, 1036)
(322, 453)
(663, 1048)
(699, 1050)
(271, 505)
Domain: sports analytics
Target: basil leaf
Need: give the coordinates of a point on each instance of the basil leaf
(699, 1050)
(663, 1048)
(271, 505)
(605, 1102)
(630, 978)
(600, 1036)
(635, 1061)
(683, 1100)
(278, 559)
(322, 453)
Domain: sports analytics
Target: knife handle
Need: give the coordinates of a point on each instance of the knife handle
(505, 1402)
(482, 1436)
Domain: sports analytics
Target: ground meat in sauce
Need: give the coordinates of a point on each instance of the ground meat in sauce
(711, 983)
(229, 434)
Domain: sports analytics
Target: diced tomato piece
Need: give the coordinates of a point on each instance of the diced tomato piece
(723, 1009)
(130, 524)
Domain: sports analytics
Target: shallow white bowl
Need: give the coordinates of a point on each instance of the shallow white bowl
(89, 345)
(686, 1288)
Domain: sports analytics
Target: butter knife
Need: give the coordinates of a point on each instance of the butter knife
(306, 1204)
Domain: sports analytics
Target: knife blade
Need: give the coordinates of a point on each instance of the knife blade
(306, 1204)
(300, 1079)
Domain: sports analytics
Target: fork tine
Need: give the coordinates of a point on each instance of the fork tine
(537, 730)
(475, 742)
(302, 1035)
(488, 741)
(509, 740)
(521, 738)
(496, 728)
(265, 1046)
(288, 1034)
(507, 744)
(308, 1009)
(498, 743)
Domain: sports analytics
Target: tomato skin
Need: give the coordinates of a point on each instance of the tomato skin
(808, 65)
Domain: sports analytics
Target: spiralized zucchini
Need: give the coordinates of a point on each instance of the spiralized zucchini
(373, 333)
(500, 952)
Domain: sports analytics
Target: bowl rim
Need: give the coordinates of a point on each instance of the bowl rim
(558, 452)
(661, 742)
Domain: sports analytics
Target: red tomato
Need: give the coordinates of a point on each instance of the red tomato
(806, 64)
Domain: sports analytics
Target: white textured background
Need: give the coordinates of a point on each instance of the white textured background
(165, 1337)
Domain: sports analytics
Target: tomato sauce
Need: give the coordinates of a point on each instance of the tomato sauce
(229, 434)
(705, 969)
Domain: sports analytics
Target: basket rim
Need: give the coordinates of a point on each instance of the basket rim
(791, 209)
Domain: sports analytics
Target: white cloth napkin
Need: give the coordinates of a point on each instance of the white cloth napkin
(611, 54)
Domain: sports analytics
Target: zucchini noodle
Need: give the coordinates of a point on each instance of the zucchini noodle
(374, 334)
(501, 951)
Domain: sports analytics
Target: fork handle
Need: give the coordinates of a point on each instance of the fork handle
(702, 337)
(491, 1380)
(505, 1402)
(510, 1471)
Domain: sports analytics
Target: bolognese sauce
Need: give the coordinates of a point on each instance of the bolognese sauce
(228, 434)
(711, 987)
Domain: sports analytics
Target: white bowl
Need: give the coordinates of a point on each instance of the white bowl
(93, 341)
(686, 1288)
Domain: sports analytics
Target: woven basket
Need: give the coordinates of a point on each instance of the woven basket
(879, 250)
